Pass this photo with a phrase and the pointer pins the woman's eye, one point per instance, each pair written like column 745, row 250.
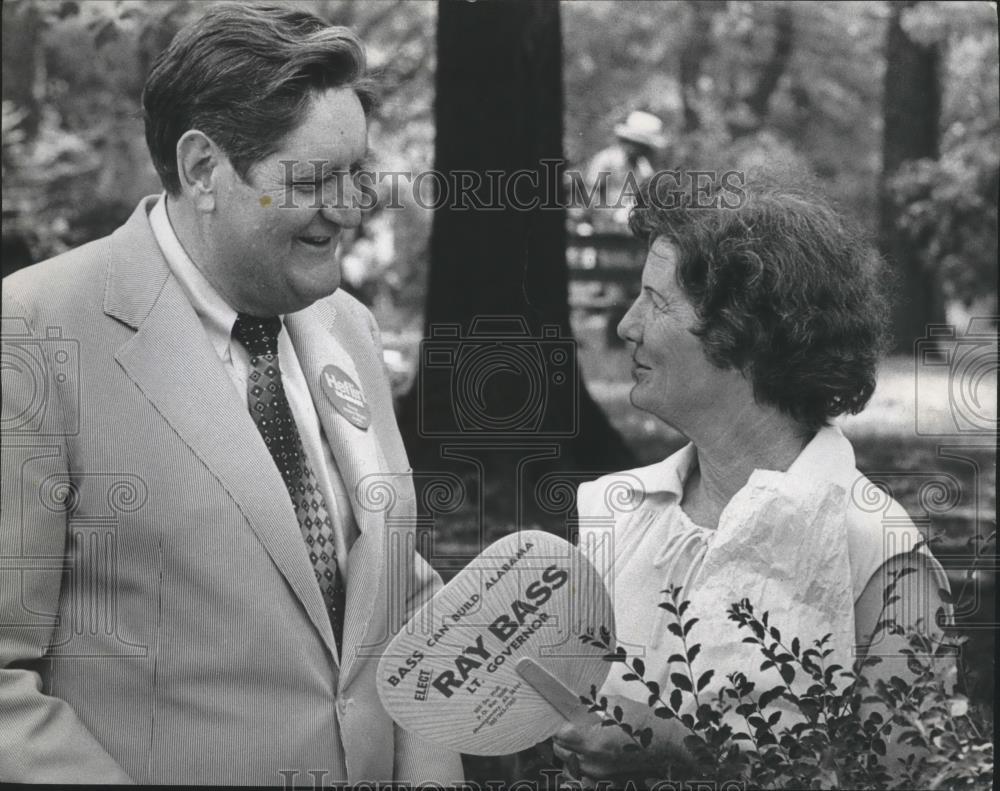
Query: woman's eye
column 658, row 302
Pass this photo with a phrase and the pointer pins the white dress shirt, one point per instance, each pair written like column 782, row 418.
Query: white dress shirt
column 217, row 317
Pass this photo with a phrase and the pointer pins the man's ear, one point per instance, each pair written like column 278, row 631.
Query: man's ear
column 198, row 168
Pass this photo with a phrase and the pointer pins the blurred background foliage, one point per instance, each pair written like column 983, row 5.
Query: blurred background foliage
column 736, row 83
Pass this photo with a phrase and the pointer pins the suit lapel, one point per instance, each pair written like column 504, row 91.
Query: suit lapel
column 357, row 454
column 172, row 362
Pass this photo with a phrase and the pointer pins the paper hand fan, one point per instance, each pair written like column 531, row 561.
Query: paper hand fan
column 450, row 675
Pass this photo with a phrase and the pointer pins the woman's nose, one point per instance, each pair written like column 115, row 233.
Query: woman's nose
column 629, row 328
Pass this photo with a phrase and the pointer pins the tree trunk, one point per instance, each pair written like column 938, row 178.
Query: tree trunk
column 912, row 111
column 24, row 58
column 781, row 53
column 481, row 389
column 754, row 108
column 697, row 46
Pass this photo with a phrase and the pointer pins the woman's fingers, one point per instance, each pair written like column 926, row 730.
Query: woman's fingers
column 570, row 760
column 569, row 736
column 585, row 761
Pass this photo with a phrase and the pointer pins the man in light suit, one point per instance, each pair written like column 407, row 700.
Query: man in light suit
column 198, row 566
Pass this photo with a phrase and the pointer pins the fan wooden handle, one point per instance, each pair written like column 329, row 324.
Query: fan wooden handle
column 561, row 697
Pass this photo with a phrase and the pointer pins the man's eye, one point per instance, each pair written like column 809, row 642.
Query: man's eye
column 361, row 174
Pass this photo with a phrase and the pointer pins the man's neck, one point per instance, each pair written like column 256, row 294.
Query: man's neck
column 186, row 230
column 184, row 223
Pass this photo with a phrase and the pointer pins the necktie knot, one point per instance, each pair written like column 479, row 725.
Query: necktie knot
column 259, row 336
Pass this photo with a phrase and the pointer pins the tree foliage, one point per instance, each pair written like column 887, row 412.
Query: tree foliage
column 74, row 155
column 737, row 82
column 948, row 205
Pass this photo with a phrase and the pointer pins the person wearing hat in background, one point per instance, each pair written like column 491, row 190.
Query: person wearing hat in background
column 613, row 176
column 635, row 154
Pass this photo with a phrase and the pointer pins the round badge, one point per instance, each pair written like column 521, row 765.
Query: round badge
column 346, row 397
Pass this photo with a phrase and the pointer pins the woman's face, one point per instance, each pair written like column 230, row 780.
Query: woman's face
column 674, row 380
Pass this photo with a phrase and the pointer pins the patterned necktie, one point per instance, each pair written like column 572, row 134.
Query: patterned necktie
column 269, row 408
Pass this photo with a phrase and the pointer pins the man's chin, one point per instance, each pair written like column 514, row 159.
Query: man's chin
column 307, row 295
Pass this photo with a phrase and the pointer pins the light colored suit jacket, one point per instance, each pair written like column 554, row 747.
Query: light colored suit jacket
column 159, row 617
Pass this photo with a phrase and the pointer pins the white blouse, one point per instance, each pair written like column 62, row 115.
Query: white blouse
column 801, row 544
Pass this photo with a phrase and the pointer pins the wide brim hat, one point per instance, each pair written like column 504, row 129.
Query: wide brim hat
column 643, row 128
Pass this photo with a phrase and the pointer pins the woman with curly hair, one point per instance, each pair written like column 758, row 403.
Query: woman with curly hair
column 760, row 320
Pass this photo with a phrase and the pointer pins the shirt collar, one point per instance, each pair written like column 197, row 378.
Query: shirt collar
column 828, row 455
column 667, row 476
column 215, row 313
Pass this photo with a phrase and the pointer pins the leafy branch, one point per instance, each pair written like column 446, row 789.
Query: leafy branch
column 834, row 741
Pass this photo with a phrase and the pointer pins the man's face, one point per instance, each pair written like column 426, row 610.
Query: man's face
column 274, row 245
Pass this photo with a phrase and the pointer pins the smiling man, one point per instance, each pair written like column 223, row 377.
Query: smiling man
column 194, row 587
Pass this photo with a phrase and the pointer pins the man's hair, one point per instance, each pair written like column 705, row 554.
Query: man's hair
column 785, row 290
column 245, row 75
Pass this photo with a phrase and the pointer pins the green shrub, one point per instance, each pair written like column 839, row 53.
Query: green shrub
column 839, row 739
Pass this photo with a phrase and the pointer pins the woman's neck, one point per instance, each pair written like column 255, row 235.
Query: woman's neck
column 729, row 452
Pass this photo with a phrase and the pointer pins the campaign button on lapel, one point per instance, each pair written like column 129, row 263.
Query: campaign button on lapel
column 346, row 397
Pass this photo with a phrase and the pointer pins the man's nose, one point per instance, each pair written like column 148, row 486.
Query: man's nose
column 343, row 206
column 344, row 216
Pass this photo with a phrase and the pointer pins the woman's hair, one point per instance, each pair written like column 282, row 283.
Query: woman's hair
column 785, row 289
column 244, row 75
